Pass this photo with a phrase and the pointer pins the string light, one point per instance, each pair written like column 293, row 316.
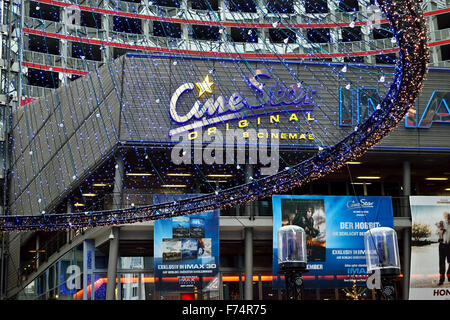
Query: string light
column 409, row 29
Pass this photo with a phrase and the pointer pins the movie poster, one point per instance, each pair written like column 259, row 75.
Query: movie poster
column 186, row 248
column 430, row 248
column 334, row 227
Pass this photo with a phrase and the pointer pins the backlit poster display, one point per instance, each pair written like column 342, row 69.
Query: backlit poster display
column 335, row 227
column 186, row 248
column 430, row 248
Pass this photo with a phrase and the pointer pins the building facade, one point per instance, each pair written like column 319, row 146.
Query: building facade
column 91, row 129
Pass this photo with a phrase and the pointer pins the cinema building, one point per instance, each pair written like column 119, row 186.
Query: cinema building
column 98, row 129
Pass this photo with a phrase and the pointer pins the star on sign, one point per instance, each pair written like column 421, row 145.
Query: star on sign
column 205, row 86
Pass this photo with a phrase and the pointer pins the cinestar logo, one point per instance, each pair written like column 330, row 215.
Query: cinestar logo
column 268, row 99
column 363, row 203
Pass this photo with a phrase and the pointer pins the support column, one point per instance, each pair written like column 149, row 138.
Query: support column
column 248, row 287
column 112, row 263
column 406, row 178
column 406, row 262
column 249, row 207
column 69, row 232
column 119, row 175
column 37, row 251
column 406, row 231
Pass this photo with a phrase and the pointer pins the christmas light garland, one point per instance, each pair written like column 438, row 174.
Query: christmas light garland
column 409, row 29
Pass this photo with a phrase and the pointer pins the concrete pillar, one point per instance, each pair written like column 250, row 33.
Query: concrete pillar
column 406, row 262
column 112, row 263
column 119, row 176
column 406, row 178
column 248, row 286
column 37, row 250
column 260, row 288
column 249, row 207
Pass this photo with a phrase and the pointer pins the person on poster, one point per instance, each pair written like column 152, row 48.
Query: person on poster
column 289, row 218
column 201, row 247
column 444, row 247
column 306, row 221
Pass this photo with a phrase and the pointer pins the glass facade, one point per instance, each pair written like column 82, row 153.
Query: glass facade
column 136, row 281
column 62, row 280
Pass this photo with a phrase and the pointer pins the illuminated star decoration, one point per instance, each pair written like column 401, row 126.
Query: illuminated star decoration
column 205, row 86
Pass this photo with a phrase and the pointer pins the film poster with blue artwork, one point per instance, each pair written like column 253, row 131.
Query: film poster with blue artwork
column 334, row 227
column 186, row 248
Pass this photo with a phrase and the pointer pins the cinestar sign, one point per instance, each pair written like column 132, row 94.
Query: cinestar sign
column 221, row 109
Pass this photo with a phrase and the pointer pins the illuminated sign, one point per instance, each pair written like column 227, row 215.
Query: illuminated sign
column 368, row 100
column 221, row 109
column 277, row 98
column 436, row 111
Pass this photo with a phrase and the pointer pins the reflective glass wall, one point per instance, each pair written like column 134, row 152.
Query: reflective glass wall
column 63, row 280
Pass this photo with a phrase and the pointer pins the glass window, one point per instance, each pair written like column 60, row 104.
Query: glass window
column 43, row 44
column 148, row 286
column 316, row 6
column 264, row 208
column 101, row 261
column 41, row 289
column 205, row 5
column 351, row 34
column 86, row 51
column 267, row 292
column 200, row 32
column 91, row 19
column 129, row 284
column 445, row 52
column 280, row 35
column 128, row 25
column 44, row 11
column 319, row 35
column 280, row 6
column 443, row 21
column 255, row 288
column 389, row 58
column 231, row 286
column 53, row 282
column 29, row 292
column 138, row 263
column 348, row 5
column 167, row 3
column 383, row 32
column 241, row 6
column 354, row 59
column 166, row 29
column 43, row 78
column 244, row 35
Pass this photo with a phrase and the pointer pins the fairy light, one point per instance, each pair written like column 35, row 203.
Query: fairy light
column 409, row 30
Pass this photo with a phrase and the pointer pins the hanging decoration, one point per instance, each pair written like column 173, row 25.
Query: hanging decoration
column 408, row 27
